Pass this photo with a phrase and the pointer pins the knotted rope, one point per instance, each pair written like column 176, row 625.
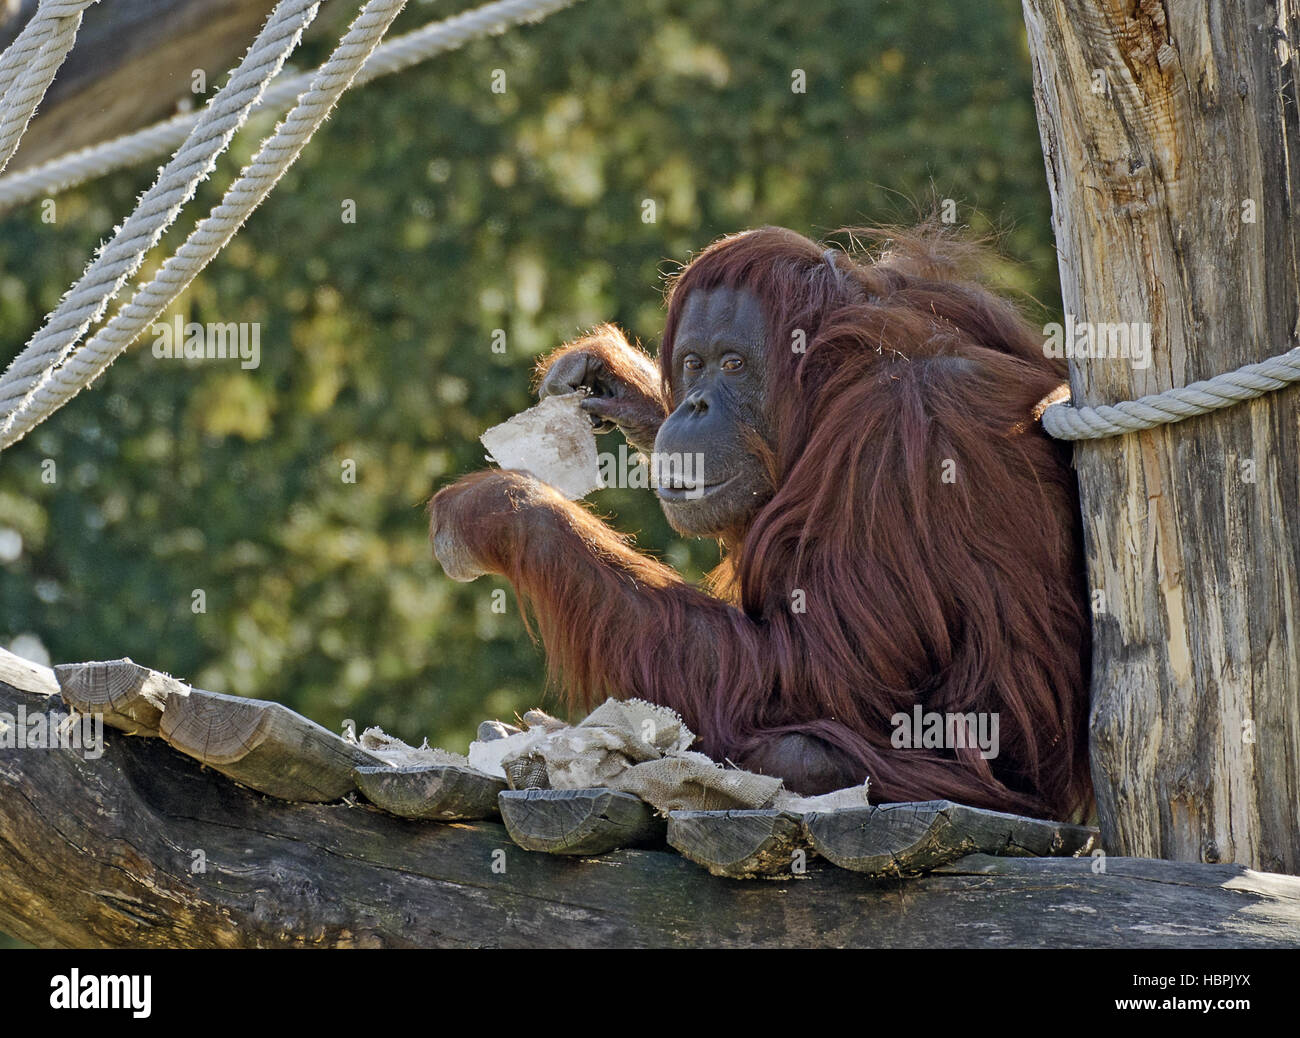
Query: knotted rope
column 1066, row 422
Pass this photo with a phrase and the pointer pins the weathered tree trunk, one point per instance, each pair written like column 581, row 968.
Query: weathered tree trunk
column 143, row 847
column 1172, row 140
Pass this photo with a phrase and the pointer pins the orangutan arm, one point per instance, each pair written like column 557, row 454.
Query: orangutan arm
column 613, row 621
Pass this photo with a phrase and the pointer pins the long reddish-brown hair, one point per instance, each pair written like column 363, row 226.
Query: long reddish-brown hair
column 930, row 524
column 921, row 545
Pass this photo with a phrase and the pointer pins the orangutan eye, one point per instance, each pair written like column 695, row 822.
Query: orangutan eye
column 692, row 362
column 733, row 362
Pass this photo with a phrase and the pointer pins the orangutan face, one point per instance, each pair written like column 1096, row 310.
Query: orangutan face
column 711, row 480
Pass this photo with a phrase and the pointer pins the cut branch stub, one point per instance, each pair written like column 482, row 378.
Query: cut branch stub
column 263, row 745
column 740, row 844
column 905, row 839
column 130, row 697
column 579, row 821
column 24, row 674
column 442, row 792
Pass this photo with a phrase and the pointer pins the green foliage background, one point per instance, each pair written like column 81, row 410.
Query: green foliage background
column 475, row 211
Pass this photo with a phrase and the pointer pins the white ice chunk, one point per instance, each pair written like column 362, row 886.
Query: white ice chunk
column 554, row 441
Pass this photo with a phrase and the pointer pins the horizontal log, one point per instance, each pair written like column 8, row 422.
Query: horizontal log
column 442, row 792
column 31, row 677
column 907, row 839
column 142, row 848
column 579, row 821
column 263, row 745
column 740, row 844
column 128, row 696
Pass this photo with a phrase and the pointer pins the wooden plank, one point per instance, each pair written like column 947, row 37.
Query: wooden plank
column 442, row 792
column 579, row 821
column 142, row 848
column 130, row 697
column 907, row 839
column 741, row 844
column 263, row 745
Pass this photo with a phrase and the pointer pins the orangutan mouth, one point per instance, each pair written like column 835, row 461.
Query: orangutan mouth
column 682, row 491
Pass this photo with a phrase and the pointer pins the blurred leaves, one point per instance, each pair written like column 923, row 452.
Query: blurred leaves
column 475, row 212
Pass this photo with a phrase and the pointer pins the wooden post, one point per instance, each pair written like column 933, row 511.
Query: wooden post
column 1172, row 140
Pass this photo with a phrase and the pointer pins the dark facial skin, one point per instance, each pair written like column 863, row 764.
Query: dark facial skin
column 710, row 481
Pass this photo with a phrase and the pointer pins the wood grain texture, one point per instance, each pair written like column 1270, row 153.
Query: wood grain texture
column 740, row 844
column 24, row 674
column 1167, row 129
column 128, row 696
column 907, row 839
column 263, row 745
column 142, row 848
column 442, row 792
column 579, row 821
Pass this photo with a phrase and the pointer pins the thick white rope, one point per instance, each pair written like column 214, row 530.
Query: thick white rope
column 276, row 154
column 85, row 164
column 255, row 182
column 34, row 36
column 156, row 211
column 1066, row 422
column 29, row 63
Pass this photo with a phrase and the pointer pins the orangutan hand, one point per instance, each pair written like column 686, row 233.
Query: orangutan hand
column 473, row 521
